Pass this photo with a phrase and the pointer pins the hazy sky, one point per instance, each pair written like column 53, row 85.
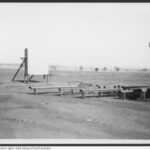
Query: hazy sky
column 94, row 34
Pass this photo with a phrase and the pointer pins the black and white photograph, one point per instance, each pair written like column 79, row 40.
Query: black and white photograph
column 75, row 72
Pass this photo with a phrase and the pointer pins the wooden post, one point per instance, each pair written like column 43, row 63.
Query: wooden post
column 143, row 95
column 144, row 90
column 71, row 91
column 99, row 94
column 44, row 76
column 35, row 92
column 83, row 94
column 124, row 95
column 60, row 91
column 26, row 66
column 47, row 78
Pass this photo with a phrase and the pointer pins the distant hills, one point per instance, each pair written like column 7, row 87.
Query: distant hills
column 96, row 69
column 80, row 68
column 9, row 66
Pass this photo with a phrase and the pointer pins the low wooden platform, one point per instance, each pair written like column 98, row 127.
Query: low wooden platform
column 121, row 91
column 60, row 88
column 99, row 91
column 131, row 89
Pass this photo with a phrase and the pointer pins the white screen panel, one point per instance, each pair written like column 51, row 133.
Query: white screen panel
column 37, row 65
column 37, row 62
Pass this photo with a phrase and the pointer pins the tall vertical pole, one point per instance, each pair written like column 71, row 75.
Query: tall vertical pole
column 26, row 66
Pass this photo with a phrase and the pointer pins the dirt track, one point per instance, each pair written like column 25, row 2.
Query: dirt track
column 24, row 115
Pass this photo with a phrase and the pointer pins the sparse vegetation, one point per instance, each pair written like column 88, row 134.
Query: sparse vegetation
column 104, row 69
column 117, row 69
column 43, row 114
column 144, row 69
column 81, row 68
column 96, row 69
column 54, row 67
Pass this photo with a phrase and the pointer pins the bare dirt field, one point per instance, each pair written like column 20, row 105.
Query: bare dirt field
column 24, row 115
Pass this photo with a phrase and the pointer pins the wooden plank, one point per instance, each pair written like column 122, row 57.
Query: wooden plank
column 18, row 71
column 60, row 88
column 50, row 87
column 134, row 87
column 126, row 91
column 31, row 77
column 99, row 91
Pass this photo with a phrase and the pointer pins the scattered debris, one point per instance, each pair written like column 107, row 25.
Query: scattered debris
column 21, row 121
column 85, row 85
column 44, row 103
column 89, row 120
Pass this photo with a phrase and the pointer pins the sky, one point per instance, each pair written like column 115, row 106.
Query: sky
column 74, row 34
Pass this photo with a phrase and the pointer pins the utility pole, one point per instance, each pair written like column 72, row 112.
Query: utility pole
column 26, row 79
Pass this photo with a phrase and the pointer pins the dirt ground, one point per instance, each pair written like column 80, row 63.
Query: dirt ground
column 24, row 115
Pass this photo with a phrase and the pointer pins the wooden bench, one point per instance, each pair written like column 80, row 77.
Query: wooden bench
column 60, row 88
column 98, row 91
